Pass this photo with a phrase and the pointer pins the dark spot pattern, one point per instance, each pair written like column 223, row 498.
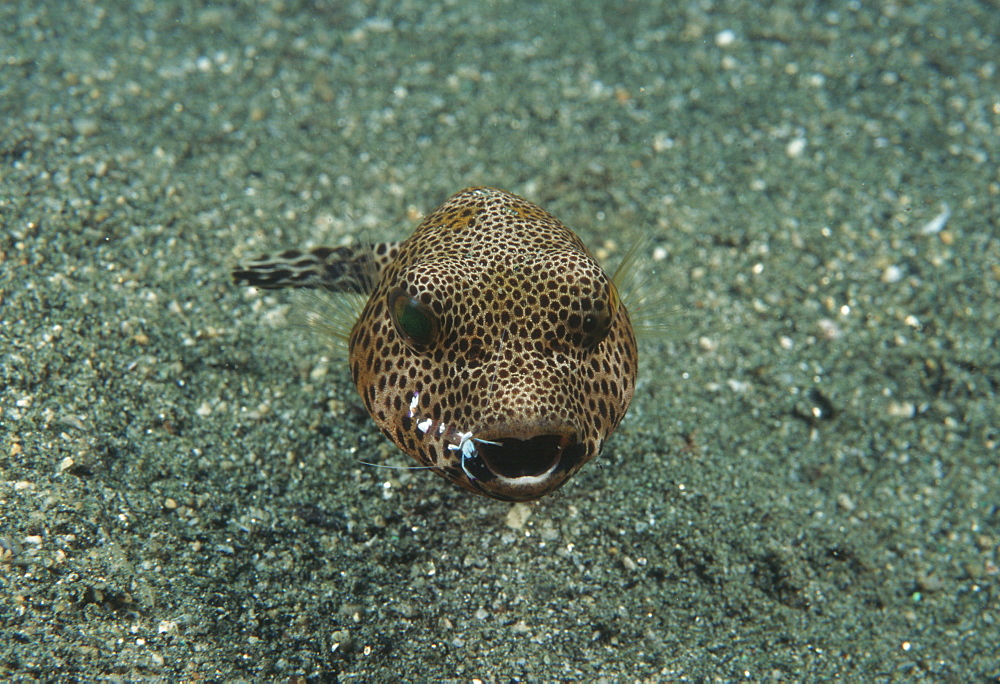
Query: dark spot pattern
column 516, row 358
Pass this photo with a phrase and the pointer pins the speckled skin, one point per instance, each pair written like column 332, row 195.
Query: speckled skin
column 493, row 347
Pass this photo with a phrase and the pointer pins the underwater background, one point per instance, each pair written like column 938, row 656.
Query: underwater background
column 805, row 486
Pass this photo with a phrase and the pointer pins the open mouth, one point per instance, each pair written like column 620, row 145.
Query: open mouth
column 499, row 465
column 521, row 469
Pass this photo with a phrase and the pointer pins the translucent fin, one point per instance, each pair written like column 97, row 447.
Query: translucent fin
column 338, row 279
column 330, row 315
column 333, row 310
column 640, row 285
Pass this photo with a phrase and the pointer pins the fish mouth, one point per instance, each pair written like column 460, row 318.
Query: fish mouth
column 513, row 469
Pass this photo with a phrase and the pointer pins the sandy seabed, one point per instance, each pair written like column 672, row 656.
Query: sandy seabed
column 805, row 487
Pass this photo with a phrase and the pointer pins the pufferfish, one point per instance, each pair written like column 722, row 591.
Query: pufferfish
column 493, row 348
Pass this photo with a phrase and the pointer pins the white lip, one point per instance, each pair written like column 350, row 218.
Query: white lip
column 483, row 474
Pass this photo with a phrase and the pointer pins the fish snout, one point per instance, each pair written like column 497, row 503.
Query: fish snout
column 521, row 463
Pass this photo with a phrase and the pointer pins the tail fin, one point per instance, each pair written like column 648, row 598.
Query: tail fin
column 352, row 268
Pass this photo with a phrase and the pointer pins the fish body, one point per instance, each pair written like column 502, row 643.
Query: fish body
column 492, row 348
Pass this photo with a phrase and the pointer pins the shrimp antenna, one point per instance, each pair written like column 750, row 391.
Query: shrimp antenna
column 392, row 467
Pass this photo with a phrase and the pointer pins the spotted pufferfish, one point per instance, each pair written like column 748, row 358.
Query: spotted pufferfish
column 492, row 348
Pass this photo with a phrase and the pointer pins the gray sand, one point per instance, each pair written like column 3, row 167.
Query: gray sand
column 806, row 486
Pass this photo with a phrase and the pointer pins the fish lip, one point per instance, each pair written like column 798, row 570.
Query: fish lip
column 521, row 469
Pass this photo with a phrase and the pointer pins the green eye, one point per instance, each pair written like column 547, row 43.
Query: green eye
column 415, row 321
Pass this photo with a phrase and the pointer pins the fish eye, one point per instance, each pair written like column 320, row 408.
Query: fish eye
column 597, row 322
column 414, row 321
